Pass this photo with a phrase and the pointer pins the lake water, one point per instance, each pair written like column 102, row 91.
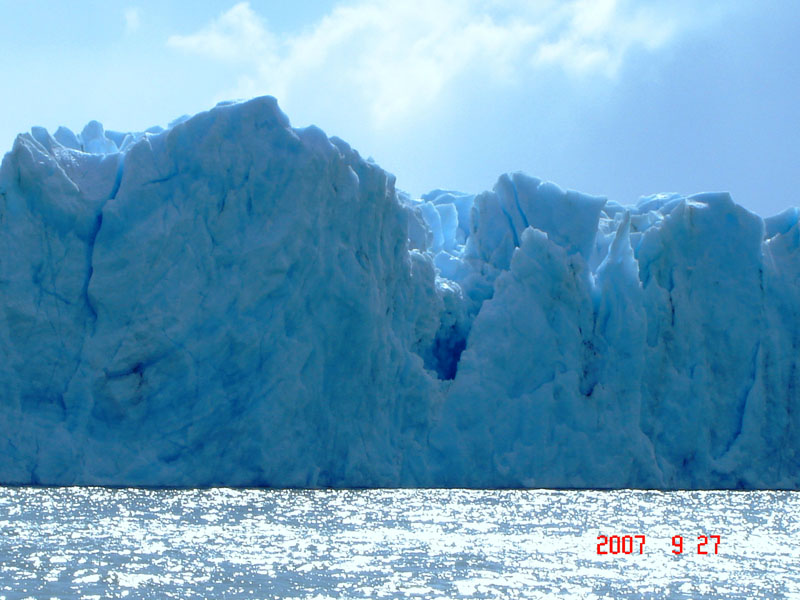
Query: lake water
column 222, row 543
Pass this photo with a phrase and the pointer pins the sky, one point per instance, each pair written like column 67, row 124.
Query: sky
column 618, row 98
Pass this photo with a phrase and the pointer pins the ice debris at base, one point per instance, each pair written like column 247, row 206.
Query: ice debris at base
column 233, row 301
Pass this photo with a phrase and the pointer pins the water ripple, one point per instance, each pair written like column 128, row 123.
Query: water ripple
column 220, row 543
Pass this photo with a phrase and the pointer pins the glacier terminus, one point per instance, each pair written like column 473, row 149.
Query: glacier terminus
column 232, row 301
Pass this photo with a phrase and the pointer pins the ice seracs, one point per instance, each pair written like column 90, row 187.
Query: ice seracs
column 234, row 301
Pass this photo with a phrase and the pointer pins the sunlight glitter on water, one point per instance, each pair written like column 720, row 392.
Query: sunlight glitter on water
column 220, row 543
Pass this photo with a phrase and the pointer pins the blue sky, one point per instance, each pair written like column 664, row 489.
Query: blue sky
column 612, row 97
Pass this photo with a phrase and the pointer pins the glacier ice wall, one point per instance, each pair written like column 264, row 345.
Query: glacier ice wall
column 233, row 301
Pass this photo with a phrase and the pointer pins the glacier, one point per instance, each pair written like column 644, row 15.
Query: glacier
column 233, row 301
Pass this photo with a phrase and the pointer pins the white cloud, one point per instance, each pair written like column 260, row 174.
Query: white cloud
column 237, row 35
column 387, row 58
column 133, row 19
column 594, row 36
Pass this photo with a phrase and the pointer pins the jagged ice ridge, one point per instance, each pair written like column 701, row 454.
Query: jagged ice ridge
column 233, row 301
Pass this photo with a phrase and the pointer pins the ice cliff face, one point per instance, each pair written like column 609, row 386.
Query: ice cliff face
column 233, row 301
